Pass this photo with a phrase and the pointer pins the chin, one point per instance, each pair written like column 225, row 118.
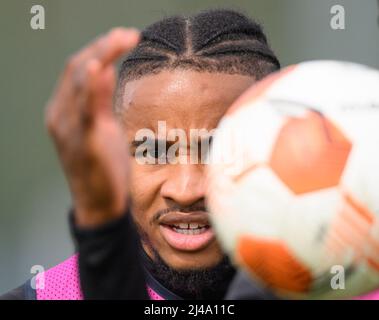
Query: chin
column 204, row 259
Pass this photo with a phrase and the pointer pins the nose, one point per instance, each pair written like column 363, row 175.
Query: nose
column 185, row 186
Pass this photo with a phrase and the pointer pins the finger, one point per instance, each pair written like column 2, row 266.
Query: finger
column 102, row 90
column 109, row 47
column 74, row 82
column 91, row 71
column 117, row 42
column 106, row 50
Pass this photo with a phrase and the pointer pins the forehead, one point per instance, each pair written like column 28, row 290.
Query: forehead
column 183, row 98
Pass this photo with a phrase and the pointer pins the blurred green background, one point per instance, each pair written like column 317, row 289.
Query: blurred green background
column 33, row 195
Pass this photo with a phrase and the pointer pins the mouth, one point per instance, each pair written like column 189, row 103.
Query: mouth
column 187, row 232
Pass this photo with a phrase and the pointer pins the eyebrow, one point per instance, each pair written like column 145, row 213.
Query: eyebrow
column 135, row 143
column 156, row 142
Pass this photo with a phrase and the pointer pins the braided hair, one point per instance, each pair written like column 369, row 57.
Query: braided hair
column 222, row 41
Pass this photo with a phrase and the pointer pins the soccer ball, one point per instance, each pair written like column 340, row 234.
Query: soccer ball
column 293, row 180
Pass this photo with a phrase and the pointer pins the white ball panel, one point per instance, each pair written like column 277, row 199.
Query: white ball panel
column 261, row 212
column 246, row 138
column 361, row 175
column 328, row 86
column 308, row 218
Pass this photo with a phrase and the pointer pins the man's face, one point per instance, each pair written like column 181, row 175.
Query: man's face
column 168, row 199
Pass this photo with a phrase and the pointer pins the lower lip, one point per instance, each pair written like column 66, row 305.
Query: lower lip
column 186, row 242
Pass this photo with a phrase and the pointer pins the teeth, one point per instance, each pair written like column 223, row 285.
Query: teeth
column 190, row 231
column 189, row 226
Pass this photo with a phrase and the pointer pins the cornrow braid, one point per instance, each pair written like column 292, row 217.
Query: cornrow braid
column 223, row 41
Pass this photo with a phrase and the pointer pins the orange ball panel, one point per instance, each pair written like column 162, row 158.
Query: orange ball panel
column 310, row 153
column 272, row 262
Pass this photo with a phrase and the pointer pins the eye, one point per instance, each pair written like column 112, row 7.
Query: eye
column 140, row 153
column 152, row 152
column 155, row 152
